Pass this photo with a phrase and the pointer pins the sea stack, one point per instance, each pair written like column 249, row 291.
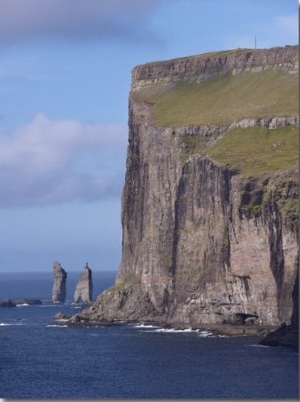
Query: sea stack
column 84, row 288
column 59, row 284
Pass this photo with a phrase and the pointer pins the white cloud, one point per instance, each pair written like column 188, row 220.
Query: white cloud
column 21, row 19
column 49, row 161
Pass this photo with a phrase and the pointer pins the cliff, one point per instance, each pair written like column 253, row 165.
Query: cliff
column 210, row 201
column 84, row 287
column 59, row 283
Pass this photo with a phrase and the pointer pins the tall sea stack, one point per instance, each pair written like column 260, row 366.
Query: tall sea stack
column 59, row 285
column 84, row 288
column 210, row 200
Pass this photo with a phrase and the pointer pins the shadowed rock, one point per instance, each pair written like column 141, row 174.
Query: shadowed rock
column 7, row 303
column 61, row 316
column 59, row 284
column 84, row 288
column 287, row 335
column 29, row 301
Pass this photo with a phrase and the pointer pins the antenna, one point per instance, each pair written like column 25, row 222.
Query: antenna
column 255, row 41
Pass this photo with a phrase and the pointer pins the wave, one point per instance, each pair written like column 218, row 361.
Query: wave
column 146, row 326
column 56, row 325
column 4, row 324
column 173, row 330
column 257, row 345
column 205, row 334
column 202, row 334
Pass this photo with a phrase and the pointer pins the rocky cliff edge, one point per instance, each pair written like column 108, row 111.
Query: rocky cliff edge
column 210, row 210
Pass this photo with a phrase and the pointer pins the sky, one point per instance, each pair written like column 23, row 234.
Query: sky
column 65, row 75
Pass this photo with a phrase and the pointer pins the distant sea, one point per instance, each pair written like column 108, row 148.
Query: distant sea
column 41, row 359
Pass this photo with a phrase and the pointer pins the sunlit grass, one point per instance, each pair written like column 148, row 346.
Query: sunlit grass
column 257, row 150
column 224, row 98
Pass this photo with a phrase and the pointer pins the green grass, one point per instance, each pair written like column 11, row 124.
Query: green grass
column 257, row 150
column 223, row 98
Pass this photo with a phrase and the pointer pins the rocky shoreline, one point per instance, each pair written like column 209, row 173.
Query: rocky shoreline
column 15, row 303
column 287, row 336
column 214, row 329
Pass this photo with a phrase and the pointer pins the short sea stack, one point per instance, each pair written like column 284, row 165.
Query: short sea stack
column 84, row 289
column 59, row 284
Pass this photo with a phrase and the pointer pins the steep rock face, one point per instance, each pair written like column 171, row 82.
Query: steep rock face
column 84, row 287
column 201, row 68
column 202, row 244
column 59, row 284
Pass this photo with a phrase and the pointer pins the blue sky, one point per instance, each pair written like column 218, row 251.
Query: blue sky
column 65, row 73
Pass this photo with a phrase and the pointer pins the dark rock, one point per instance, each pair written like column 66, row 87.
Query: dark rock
column 30, row 302
column 84, row 287
column 62, row 316
column 295, row 295
column 59, row 284
column 7, row 303
column 285, row 336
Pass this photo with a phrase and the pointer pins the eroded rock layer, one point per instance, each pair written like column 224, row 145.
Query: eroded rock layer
column 204, row 241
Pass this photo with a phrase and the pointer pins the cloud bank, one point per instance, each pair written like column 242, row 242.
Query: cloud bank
column 119, row 19
column 47, row 162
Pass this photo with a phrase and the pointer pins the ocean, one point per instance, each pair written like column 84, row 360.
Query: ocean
column 40, row 359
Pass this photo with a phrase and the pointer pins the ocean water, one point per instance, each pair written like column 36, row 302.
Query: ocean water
column 40, row 359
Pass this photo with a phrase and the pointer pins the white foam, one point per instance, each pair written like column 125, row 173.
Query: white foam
column 204, row 334
column 173, row 330
column 22, row 305
column 56, row 325
column 146, row 326
column 3, row 324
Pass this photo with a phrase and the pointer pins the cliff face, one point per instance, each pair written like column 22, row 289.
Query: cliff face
column 202, row 67
column 209, row 232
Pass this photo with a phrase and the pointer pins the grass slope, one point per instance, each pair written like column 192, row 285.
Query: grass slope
column 224, row 98
column 256, row 150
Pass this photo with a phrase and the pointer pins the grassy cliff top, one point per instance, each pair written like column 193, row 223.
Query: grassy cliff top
column 219, row 88
column 223, row 98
